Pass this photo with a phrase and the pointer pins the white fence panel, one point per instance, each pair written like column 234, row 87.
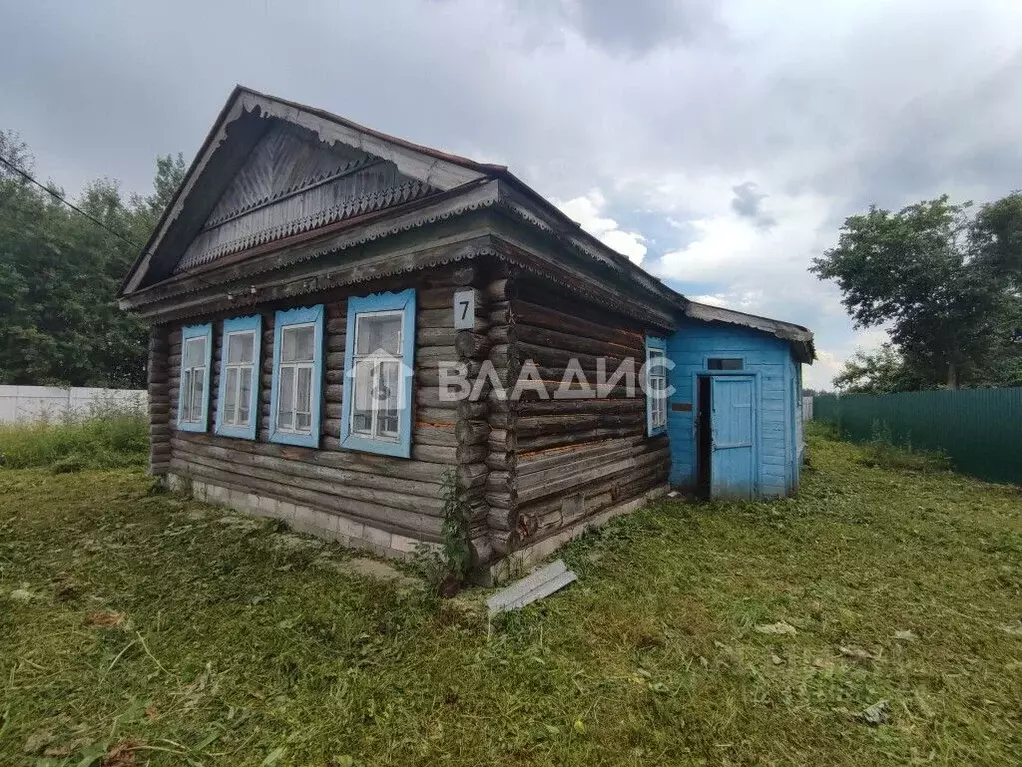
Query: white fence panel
column 33, row 403
column 807, row 408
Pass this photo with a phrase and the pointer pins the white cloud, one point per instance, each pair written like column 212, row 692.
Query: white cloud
column 588, row 211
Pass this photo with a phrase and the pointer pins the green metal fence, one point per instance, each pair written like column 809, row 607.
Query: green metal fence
column 981, row 429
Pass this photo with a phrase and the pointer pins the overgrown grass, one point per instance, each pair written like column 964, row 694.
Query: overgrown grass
column 109, row 434
column 881, row 451
column 152, row 627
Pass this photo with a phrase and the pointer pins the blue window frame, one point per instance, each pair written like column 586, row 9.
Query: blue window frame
column 656, row 386
column 376, row 408
column 237, row 402
column 193, row 393
column 296, row 395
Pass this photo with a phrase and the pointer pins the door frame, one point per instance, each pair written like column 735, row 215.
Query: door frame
column 757, row 436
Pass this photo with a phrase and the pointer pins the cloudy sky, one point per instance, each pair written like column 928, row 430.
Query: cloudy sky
column 719, row 144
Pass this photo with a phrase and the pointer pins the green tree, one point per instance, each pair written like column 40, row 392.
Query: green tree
column 882, row 371
column 918, row 272
column 59, row 274
column 997, row 238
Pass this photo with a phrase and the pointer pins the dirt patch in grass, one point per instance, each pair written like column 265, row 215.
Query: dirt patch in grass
column 902, row 591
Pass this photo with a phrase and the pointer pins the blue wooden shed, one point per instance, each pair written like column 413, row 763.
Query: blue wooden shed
column 735, row 414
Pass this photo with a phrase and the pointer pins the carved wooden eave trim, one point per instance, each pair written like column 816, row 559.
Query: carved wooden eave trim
column 355, row 232
column 238, row 296
column 350, row 208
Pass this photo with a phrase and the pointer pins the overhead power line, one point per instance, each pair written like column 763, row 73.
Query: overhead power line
column 28, row 177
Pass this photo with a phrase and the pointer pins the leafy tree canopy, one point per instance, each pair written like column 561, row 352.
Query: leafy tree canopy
column 59, row 274
column 944, row 284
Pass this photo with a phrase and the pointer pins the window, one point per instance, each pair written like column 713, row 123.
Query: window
column 193, row 396
column 724, row 363
column 378, row 368
column 656, row 386
column 237, row 399
column 297, row 377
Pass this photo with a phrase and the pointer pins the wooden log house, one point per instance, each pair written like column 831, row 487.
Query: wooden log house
column 310, row 286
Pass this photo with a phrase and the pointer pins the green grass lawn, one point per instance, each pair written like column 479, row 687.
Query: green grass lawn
column 142, row 627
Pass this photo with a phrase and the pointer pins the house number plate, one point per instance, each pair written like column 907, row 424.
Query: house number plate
column 464, row 309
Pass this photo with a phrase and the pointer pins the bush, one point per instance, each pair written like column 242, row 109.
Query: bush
column 110, row 434
column 881, row 452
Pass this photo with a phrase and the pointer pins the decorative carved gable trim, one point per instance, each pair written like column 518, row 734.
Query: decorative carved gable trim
column 291, row 183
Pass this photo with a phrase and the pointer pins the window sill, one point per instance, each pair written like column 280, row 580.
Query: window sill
column 201, row 427
column 365, row 445
column 291, row 438
column 237, row 432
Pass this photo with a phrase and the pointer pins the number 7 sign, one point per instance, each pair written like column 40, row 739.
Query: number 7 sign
column 464, row 309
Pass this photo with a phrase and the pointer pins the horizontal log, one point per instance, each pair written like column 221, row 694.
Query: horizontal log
column 437, row 415
column 480, row 547
column 429, row 396
column 404, row 522
column 499, row 290
column 333, row 455
column 601, row 405
column 500, row 460
column 542, row 460
column 444, row 318
column 443, row 353
column 350, row 483
column 435, row 298
column 525, row 312
column 472, row 432
column 537, row 476
column 435, row 336
column 500, row 500
column 469, row 409
column 434, row 434
column 575, row 343
column 557, row 423
column 581, row 479
column 598, row 495
column 472, row 475
column 428, row 373
column 471, row 344
column 504, row 520
column 504, row 542
column 499, row 334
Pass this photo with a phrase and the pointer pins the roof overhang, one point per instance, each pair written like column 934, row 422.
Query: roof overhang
column 800, row 338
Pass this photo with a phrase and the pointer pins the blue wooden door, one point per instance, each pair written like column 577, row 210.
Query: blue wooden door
column 734, row 425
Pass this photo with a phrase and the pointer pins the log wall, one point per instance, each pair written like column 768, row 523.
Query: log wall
column 528, row 469
column 559, row 462
column 387, row 494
